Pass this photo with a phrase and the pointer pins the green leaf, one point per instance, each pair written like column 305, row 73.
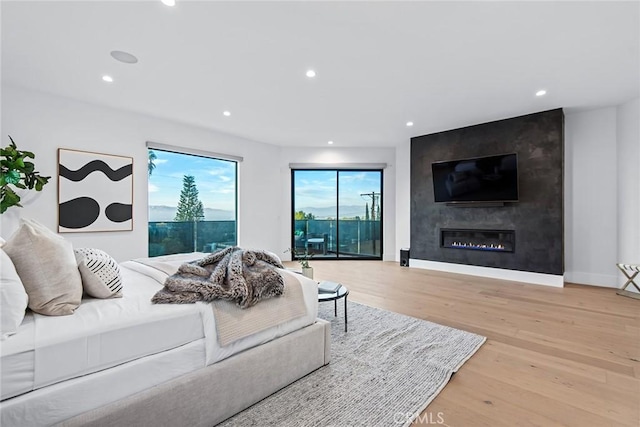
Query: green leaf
column 12, row 177
column 18, row 172
column 9, row 199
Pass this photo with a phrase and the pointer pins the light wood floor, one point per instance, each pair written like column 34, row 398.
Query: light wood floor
column 553, row 357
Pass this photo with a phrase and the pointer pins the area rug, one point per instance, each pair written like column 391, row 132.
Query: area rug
column 383, row 372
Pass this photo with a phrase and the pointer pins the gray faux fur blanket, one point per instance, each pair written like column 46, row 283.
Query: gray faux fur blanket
column 243, row 276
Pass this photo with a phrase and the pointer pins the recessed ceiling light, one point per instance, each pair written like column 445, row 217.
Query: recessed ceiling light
column 541, row 92
column 107, row 79
column 409, row 124
column 330, row 142
column 227, row 113
column 311, row 73
column 168, row 2
column 125, row 57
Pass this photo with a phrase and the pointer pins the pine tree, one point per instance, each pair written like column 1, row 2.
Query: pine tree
column 189, row 207
column 199, row 211
column 366, row 212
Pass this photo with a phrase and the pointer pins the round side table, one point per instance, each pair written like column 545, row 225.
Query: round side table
column 343, row 292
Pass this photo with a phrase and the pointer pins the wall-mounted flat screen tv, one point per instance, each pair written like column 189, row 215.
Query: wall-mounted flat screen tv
column 480, row 179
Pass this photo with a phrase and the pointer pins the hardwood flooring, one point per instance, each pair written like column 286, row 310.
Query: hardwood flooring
column 553, row 357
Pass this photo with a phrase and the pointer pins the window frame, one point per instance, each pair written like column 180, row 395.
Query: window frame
column 236, row 160
column 351, row 168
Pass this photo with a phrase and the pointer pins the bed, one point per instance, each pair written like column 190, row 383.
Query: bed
column 126, row 361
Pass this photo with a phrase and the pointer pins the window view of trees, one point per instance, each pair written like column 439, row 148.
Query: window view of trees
column 302, row 215
column 192, row 203
column 152, row 158
column 189, row 207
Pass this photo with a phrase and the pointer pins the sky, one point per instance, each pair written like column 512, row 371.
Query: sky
column 215, row 180
column 318, row 188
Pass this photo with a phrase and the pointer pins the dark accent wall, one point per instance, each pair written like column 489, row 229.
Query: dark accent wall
column 538, row 140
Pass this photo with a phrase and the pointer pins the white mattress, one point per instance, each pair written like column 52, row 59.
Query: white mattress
column 60, row 356
column 99, row 335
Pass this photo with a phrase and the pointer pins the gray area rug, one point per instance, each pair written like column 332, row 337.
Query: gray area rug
column 383, row 372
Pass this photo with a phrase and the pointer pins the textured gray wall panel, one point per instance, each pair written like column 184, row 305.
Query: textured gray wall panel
column 537, row 218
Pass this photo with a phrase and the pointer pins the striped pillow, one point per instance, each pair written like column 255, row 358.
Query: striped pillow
column 100, row 273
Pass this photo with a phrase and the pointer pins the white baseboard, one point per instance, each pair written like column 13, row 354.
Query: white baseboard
column 494, row 273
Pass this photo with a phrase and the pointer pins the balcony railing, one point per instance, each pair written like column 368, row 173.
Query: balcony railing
column 352, row 237
column 173, row 237
column 356, row 237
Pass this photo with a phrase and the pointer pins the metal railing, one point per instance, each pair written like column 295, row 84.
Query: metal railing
column 352, row 237
column 356, row 237
column 173, row 237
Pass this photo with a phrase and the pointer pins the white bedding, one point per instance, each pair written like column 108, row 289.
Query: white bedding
column 104, row 337
column 215, row 352
column 99, row 335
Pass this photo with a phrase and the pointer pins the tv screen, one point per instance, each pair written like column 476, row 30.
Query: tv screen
column 481, row 179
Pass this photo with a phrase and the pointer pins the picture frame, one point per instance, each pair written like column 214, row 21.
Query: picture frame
column 95, row 192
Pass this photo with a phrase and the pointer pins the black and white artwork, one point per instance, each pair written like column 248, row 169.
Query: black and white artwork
column 95, row 192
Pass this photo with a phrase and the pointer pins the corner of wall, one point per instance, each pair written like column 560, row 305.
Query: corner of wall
column 628, row 190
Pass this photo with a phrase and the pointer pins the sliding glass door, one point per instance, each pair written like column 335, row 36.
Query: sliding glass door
column 360, row 209
column 337, row 214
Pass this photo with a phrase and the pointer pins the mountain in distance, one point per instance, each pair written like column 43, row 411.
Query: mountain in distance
column 168, row 213
column 347, row 211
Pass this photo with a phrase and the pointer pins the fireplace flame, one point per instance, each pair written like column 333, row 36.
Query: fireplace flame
column 491, row 246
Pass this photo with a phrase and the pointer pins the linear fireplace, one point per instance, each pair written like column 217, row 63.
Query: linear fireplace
column 478, row 240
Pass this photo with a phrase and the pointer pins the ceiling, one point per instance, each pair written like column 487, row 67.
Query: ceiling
column 441, row 65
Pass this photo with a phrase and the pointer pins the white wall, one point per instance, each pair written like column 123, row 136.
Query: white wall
column 403, row 197
column 42, row 123
column 590, row 197
column 336, row 156
column 602, row 193
column 628, row 132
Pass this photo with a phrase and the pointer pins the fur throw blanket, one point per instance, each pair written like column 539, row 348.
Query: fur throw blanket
column 243, row 276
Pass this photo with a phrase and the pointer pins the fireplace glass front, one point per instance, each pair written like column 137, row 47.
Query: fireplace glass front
column 478, row 240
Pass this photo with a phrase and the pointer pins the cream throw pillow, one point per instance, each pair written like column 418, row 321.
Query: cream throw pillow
column 47, row 266
column 13, row 297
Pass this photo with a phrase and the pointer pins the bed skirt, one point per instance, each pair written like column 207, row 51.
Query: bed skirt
column 211, row 395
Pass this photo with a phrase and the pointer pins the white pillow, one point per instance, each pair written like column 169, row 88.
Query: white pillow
column 13, row 297
column 47, row 267
column 100, row 273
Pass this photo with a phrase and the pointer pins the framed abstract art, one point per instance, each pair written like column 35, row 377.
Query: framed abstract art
column 95, row 192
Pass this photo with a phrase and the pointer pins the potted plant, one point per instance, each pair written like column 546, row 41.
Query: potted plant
column 19, row 173
column 303, row 258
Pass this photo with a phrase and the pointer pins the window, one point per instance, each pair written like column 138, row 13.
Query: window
column 192, row 202
column 337, row 214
